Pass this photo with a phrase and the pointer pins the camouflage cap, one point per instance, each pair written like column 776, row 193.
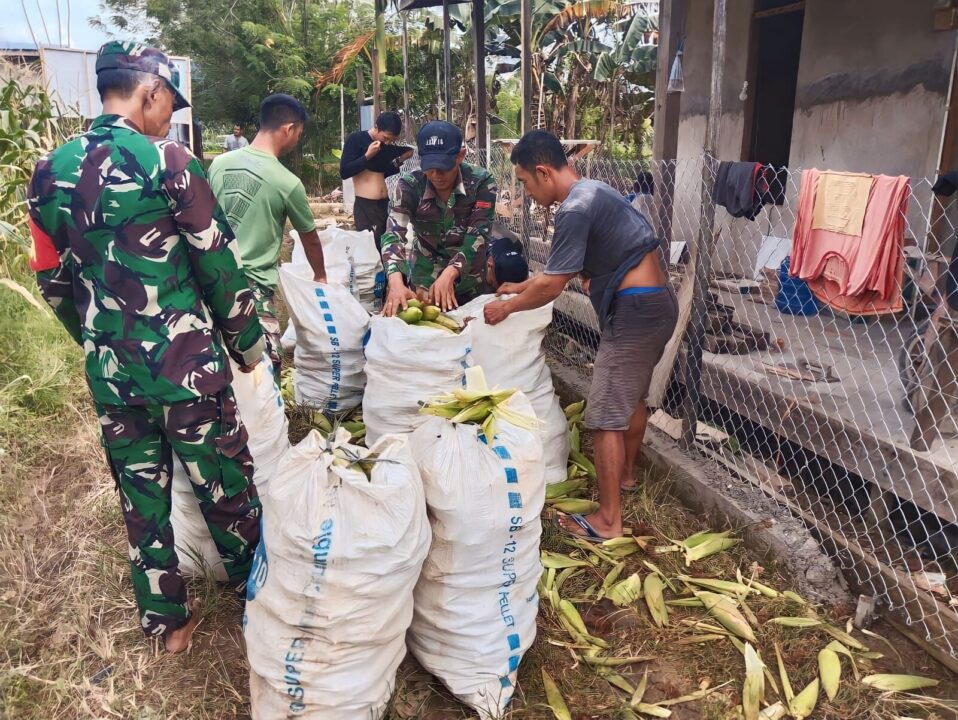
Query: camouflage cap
column 116, row 55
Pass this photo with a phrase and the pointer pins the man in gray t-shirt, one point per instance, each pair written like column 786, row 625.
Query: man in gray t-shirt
column 601, row 237
column 236, row 140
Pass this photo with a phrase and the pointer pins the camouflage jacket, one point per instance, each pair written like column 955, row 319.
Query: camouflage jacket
column 449, row 234
column 139, row 264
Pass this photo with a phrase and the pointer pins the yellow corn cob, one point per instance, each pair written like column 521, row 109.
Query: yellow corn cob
column 796, row 622
column 559, row 709
column 640, row 689
column 708, row 548
column 615, row 661
column 754, row 688
column 557, row 560
column 626, row 592
column 570, row 613
column 897, row 683
column 566, row 487
column 612, row 576
column 830, row 671
column 803, row 704
column 723, row 609
column 655, row 600
column 434, row 326
column 448, row 322
column 321, row 422
column 726, row 587
column 583, row 462
column 575, row 506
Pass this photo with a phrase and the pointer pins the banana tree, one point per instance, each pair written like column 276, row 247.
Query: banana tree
column 628, row 73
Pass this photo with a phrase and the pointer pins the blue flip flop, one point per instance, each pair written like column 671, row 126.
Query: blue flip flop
column 591, row 535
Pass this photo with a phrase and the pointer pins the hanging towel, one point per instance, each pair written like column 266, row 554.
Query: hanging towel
column 859, row 274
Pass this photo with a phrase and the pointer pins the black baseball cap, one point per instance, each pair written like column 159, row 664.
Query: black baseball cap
column 508, row 261
column 439, row 143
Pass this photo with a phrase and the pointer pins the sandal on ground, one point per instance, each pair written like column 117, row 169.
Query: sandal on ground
column 591, row 535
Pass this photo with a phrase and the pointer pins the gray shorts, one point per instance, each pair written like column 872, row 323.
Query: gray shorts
column 631, row 345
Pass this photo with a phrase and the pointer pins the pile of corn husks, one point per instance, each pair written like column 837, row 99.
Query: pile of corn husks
column 722, row 614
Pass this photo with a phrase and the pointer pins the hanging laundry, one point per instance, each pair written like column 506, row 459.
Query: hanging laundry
column 849, row 238
column 771, row 184
column 735, row 188
column 743, row 188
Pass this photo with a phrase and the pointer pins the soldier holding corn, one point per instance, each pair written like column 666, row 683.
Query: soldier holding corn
column 139, row 264
column 450, row 206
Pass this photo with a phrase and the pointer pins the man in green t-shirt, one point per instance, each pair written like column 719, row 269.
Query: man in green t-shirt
column 258, row 194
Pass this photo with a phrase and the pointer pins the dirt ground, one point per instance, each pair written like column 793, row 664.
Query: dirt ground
column 70, row 646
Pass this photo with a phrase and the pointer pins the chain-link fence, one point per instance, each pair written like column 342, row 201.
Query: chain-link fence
column 849, row 420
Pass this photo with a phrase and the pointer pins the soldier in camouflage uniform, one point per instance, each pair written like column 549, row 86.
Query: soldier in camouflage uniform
column 450, row 205
column 139, row 264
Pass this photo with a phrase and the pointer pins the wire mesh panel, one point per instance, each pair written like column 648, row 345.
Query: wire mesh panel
column 817, row 405
column 848, row 419
column 828, row 401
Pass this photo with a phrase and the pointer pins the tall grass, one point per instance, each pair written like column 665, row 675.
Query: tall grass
column 40, row 370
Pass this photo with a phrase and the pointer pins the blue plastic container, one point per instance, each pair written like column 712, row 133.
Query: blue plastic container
column 794, row 297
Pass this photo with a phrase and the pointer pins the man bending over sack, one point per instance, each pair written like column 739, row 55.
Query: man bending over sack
column 450, row 206
column 599, row 235
column 139, row 264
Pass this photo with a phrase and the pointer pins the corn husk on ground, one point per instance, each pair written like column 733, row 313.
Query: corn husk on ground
column 795, row 660
column 596, row 670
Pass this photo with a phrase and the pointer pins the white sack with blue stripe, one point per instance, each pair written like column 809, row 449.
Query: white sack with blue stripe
column 512, row 354
column 352, row 260
column 330, row 594
column 406, row 364
column 330, row 328
column 476, row 600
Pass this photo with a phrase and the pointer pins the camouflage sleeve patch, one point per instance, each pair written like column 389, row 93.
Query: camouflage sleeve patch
column 43, row 254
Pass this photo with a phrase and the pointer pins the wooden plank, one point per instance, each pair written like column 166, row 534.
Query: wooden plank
column 940, row 621
column 898, row 621
column 751, row 77
column 784, row 10
column 892, row 467
column 479, row 40
column 707, row 234
column 668, row 107
column 525, row 22
column 447, row 59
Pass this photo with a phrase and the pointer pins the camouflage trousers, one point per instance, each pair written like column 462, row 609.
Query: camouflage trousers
column 264, row 298
column 208, row 437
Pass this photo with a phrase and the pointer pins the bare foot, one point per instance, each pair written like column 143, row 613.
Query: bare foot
column 629, row 484
column 603, row 528
column 178, row 640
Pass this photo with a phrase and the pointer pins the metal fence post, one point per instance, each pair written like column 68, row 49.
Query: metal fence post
column 695, row 337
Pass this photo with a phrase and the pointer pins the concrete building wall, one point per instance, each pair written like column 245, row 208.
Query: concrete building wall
column 872, row 88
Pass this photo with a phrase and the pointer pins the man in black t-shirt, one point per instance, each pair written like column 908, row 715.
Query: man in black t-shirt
column 369, row 157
